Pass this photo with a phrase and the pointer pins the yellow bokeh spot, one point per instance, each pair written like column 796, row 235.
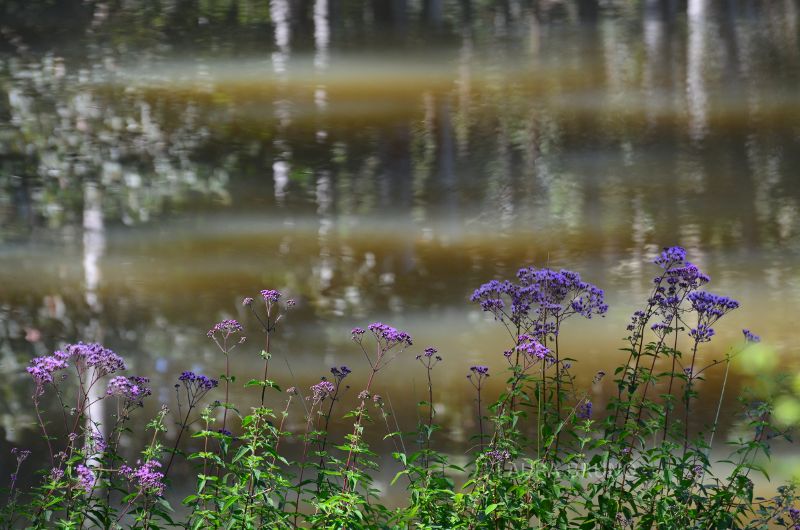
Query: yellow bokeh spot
column 757, row 359
column 787, row 410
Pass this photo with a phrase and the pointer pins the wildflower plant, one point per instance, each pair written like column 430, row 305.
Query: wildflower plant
column 545, row 454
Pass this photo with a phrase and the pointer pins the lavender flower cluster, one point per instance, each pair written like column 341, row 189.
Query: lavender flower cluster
column 131, row 389
column 198, row 381
column 225, row 328
column 340, row 372
column 322, row 390
column 103, row 360
column 540, row 295
column 147, row 477
column 388, row 336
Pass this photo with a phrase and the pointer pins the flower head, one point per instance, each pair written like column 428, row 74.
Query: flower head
column 86, row 478
column 131, row 389
column 322, row 390
column 198, row 381
column 271, row 295
column 584, row 411
column 388, row 336
column 103, row 360
column 226, row 328
column 671, row 257
column 498, row 456
column 750, row 337
column 341, row 372
column 480, row 370
column 147, row 477
column 357, row 334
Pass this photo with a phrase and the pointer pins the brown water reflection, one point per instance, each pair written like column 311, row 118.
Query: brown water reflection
column 147, row 186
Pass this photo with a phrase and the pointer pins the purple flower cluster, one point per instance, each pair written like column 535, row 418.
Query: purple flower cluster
column 96, row 443
column 103, row 360
column 322, row 390
column 750, row 336
column 43, row 368
column 196, row 386
column 673, row 285
column 532, row 348
column 226, row 328
column 479, row 370
column 270, row 295
column 702, row 333
column 131, row 389
column 388, row 336
column 498, row 456
column 21, row 454
column 671, row 257
column 199, row 381
column 340, row 372
column 711, row 307
column 357, row 334
column 86, row 478
column 429, row 357
column 541, row 294
column 794, row 515
column 147, row 477
column 584, row 411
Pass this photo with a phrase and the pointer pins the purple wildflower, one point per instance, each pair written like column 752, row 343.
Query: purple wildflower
column 147, row 477
column 711, row 307
column 498, row 456
column 750, row 337
column 42, row 369
column 671, row 257
column 131, row 389
column 199, row 381
column 103, row 360
column 388, row 337
column 357, row 334
column 97, row 443
column 702, row 333
column 322, row 390
column 341, row 372
column 271, row 295
column 247, row 301
column 226, row 328
column 480, row 370
column 532, row 348
column 85, row 477
column 584, row 411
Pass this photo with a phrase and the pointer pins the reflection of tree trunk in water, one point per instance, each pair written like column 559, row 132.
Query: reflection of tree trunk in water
column 466, row 11
column 93, row 250
column 446, row 163
column 390, row 14
column 696, row 90
column 433, row 13
column 588, row 11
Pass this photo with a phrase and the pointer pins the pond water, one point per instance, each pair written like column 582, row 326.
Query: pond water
column 378, row 161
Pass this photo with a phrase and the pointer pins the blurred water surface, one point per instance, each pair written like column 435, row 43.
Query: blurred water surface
column 378, row 160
